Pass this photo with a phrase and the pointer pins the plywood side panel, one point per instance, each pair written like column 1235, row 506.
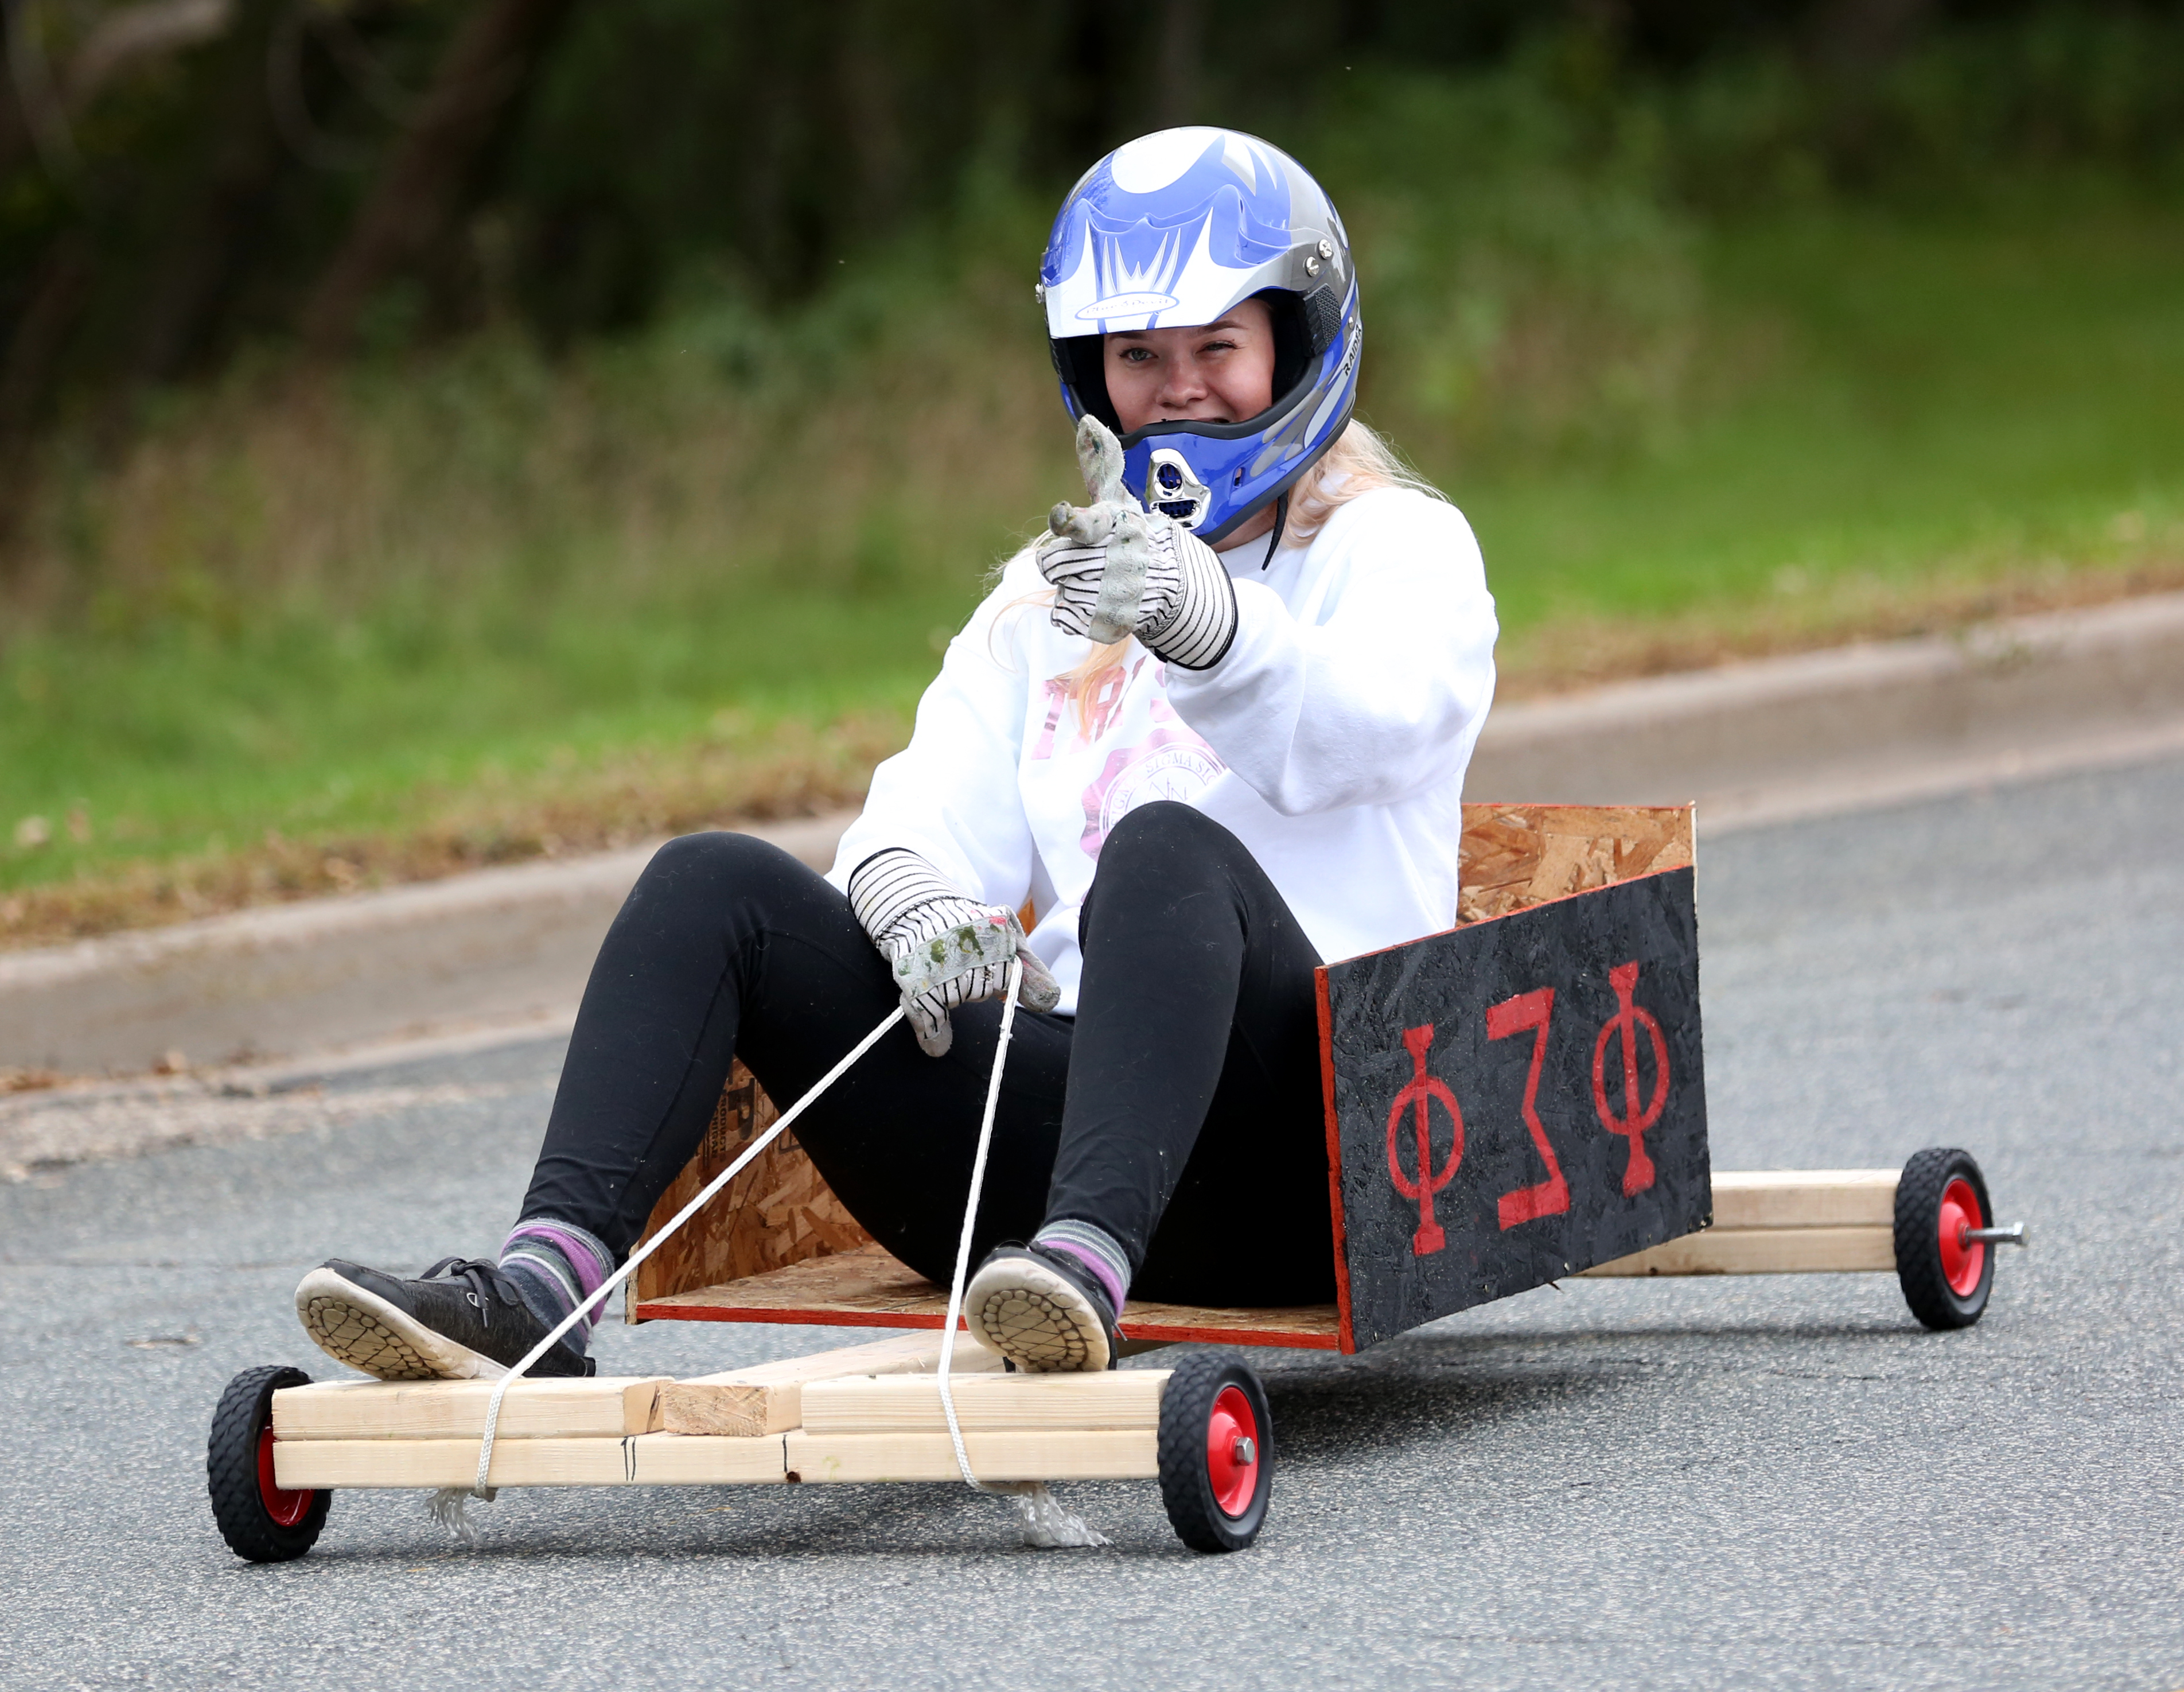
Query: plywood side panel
column 1484, row 1148
column 778, row 1211
column 1513, row 857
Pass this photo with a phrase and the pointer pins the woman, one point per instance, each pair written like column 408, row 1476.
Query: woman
column 1263, row 770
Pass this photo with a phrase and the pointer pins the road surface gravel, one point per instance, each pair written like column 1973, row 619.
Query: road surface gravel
column 1752, row 1482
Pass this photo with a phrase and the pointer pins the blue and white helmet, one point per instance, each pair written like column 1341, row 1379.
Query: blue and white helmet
column 1170, row 232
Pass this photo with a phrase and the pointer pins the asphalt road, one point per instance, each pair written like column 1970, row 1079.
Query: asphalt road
column 1779, row 1481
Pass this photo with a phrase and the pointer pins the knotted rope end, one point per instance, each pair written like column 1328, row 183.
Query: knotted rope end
column 1049, row 1525
column 450, row 1507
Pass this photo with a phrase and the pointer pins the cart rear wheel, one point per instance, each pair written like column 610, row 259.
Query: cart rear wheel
column 260, row 1519
column 1946, row 1278
column 1217, row 1453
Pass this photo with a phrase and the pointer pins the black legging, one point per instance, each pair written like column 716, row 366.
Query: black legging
column 1180, row 1110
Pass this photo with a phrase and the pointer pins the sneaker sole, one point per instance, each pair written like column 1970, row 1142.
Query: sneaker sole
column 358, row 1327
column 1035, row 1319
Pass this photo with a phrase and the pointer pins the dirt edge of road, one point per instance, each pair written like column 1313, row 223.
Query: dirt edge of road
column 503, row 950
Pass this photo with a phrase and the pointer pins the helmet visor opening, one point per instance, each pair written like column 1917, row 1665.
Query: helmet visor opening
column 1081, row 362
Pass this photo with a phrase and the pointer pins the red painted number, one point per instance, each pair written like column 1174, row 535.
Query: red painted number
column 1550, row 1196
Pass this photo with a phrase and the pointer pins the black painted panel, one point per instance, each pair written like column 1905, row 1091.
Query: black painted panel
column 1453, row 1023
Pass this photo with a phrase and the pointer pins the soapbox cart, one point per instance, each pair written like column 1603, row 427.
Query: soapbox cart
column 1516, row 1101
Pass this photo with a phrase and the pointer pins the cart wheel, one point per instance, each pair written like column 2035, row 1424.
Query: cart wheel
column 1217, row 1453
column 1946, row 1278
column 259, row 1520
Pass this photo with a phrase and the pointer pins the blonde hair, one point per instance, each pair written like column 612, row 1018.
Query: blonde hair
column 1359, row 462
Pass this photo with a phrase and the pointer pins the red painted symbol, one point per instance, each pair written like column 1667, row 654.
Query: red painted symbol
column 1550, row 1196
column 1638, row 1173
column 1420, row 1094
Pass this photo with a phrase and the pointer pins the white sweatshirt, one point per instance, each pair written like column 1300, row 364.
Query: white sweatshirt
column 1331, row 739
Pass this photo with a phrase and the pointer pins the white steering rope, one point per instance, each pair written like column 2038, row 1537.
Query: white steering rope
column 1045, row 1522
column 479, row 1488
column 970, row 1221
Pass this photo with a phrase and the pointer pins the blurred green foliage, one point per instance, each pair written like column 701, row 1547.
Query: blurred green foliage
column 161, row 211
column 1745, row 326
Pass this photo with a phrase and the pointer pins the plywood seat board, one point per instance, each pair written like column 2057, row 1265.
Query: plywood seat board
column 868, row 1288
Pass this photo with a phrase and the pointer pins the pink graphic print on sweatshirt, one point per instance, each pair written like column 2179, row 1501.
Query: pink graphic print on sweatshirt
column 1172, row 762
column 1102, row 699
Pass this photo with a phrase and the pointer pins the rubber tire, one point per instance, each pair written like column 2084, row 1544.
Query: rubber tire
column 1186, row 1488
column 231, row 1471
column 1919, row 1270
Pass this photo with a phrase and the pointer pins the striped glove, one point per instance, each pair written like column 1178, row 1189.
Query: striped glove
column 1118, row 570
column 945, row 948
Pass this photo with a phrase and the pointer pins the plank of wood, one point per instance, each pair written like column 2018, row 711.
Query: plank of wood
column 1115, row 1399
column 641, row 1459
column 1513, row 857
column 766, row 1398
column 1000, row 1455
column 1804, row 1198
column 604, row 1407
column 1763, row 1251
column 868, row 1288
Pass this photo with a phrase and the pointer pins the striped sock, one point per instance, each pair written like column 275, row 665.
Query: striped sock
column 1097, row 1250
column 556, row 1266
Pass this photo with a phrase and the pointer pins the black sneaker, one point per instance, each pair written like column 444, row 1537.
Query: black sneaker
column 1042, row 1309
column 460, row 1321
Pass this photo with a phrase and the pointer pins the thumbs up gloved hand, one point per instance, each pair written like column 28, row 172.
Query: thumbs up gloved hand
column 944, row 948
column 1118, row 570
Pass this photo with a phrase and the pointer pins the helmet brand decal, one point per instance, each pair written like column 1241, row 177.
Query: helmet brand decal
column 1127, row 306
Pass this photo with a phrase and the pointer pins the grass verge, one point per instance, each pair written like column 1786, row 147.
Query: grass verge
column 1857, row 422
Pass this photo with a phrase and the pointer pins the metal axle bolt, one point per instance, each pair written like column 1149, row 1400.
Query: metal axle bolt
column 2013, row 1235
column 1245, row 1452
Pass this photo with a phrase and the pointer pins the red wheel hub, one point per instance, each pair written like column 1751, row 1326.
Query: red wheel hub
column 1963, row 1260
column 1232, row 1451
column 284, row 1506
